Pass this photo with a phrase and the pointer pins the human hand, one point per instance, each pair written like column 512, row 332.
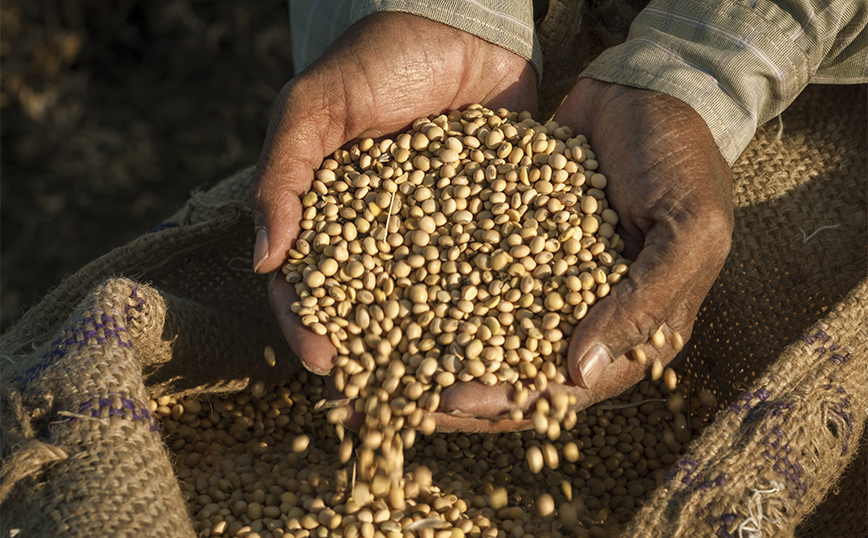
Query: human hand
column 383, row 73
column 672, row 191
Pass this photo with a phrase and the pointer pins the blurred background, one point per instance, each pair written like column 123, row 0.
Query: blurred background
column 112, row 112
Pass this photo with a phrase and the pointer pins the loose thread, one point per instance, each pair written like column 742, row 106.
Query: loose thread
column 29, row 461
column 76, row 415
column 756, row 517
column 806, row 237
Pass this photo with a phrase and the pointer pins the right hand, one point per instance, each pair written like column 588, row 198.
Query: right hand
column 672, row 190
column 384, row 72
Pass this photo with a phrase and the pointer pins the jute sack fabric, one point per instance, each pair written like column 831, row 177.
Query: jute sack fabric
column 81, row 453
column 781, row 340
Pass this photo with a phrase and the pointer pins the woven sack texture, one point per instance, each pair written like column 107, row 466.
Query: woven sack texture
column 77, row 411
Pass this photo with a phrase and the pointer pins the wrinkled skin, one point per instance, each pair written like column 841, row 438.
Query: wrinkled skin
column 667, row 181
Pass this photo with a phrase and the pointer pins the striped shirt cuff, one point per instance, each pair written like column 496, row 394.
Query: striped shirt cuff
column 726, row 60
column 507, row 24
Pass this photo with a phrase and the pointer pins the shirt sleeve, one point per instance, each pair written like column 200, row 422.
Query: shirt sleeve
column 314, row 25
column 739, row 63
column 507, row 24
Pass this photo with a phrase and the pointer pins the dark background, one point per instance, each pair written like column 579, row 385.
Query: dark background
column 112, row 112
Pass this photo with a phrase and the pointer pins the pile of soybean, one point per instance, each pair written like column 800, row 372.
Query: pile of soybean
column 262, row 463
column 466, row 249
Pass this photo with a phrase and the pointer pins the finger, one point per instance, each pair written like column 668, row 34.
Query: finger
column 448, row 423
column 351, row 419
column 316, row 352
column 666, row 283
column 474, row 407
column 473, row 399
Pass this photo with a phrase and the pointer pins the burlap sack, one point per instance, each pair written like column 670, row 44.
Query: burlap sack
column 781, row 340
column 82, row 455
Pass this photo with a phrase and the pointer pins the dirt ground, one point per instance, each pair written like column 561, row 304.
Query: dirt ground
column 112, row 112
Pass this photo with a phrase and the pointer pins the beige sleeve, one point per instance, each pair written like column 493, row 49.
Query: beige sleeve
column 314, row 25
column 507, row 24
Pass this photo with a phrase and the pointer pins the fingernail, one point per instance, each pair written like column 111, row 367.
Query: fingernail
column 318, row 371
column 260, row 250
column 593, row 364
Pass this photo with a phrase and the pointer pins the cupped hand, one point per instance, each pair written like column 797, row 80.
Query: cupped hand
column 672, row 191
column 386, row 71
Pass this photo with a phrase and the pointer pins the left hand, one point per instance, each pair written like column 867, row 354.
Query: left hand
column 375, row 80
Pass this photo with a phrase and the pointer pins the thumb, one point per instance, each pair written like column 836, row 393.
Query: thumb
column 306, row 126
column 658, row 293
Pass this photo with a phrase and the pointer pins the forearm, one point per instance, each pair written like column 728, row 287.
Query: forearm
column 738, row 66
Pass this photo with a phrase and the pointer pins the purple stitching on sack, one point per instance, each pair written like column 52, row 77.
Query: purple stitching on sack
column 779, row 408
column 76, row 337
column 727, row 518
column 822, row 337
column 687, row 465
column 45, row 361
column 761, row 394
column 715, row 483
column 845, row 418
column 140, row 302
column 778, row 451
column 838, row 359
column 138, row 412
column 811, row 338
column 691, row 468
column 79, row 335
column 163, row 226
column 823, row 349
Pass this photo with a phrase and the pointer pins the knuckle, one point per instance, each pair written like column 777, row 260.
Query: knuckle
column 642, row 323
column 718, row 220
column 717, row 227
column 638, row 322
